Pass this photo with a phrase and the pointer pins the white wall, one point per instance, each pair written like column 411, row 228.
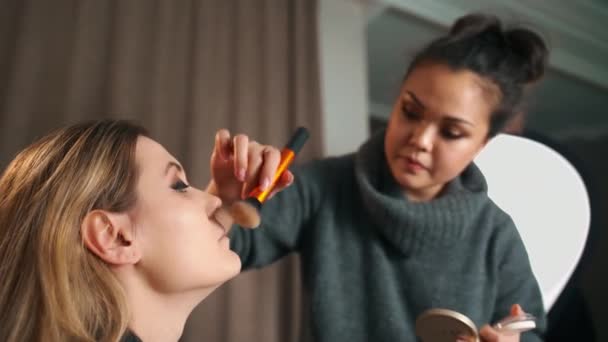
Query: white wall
column 342, row 57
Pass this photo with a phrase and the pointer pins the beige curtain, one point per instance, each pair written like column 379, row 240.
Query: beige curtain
column 183, row 69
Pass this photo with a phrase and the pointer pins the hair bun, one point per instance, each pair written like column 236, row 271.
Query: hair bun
column 523, row 51
column 531, row 50
column 476, row 24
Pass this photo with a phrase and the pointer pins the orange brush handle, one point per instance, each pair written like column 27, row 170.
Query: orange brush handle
column 287, row 157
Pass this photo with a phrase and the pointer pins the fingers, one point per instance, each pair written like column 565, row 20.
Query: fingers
column 263, row 164
column 255, row 162
column 488, row 334
column 223, row 144
column 272, row 158
column 516, row 310
column 241, row 156
column 286, row 180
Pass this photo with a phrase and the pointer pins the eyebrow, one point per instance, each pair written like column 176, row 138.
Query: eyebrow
column 173, row 164
column 447, row 117
column 416, row 99
column 455, row 119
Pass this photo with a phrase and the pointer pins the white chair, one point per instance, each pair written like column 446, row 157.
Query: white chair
column 548, row 201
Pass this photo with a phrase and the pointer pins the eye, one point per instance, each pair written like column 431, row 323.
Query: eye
column 180, row 186
column 411, row 113
column 451, row 133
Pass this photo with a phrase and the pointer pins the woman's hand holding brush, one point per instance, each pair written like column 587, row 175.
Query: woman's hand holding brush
column 246, row 173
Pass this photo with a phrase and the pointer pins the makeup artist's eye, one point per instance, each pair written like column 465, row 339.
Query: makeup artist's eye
column 410, row 112
column 180, row 186
column 451, row 134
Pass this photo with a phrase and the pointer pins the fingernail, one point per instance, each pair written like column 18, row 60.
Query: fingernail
column 241, row 174
column 265, row 183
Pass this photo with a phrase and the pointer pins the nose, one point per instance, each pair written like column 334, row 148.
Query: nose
column 422, row 137
column 210, row 202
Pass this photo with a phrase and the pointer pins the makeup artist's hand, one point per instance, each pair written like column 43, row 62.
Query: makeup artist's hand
column 489, row 334
column 239, row 164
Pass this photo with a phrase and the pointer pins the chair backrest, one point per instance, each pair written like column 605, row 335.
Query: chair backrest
column 548, row 201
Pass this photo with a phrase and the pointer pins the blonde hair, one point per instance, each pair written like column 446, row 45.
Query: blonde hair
column 52, row 287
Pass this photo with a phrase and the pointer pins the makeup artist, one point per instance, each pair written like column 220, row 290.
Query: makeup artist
column 405, row 223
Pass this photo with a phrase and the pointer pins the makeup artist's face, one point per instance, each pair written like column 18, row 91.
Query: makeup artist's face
column 438, row 125
column 183, row 247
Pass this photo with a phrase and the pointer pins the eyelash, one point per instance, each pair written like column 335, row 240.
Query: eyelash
column 410, row 114
column 446, row 133
column 450, row 135
column 180, row 186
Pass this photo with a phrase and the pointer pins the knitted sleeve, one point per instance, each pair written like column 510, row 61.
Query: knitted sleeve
column 284, row 219
column 517, row 283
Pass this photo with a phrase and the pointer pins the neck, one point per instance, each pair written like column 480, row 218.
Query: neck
column 157, row 316
column 417, row 227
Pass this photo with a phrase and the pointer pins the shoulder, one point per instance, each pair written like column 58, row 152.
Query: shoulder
column 497, row 223
column 330, row 169
column 328, row 164
column 315, row 182
column 499, row 217
column 506, row 240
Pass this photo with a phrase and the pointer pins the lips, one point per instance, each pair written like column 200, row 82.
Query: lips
column 223, row 220
column 415, row 162
column 411, row 164
column 223, row 217
column 224, row 232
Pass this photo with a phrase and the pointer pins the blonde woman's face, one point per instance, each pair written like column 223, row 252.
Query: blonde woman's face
column 183, row 246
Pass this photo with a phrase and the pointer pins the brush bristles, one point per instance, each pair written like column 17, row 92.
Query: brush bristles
column 246, row 214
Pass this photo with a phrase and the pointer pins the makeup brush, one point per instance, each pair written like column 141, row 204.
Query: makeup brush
column 246, row 213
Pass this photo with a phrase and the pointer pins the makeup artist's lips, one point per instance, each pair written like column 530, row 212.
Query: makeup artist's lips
column 411, row 164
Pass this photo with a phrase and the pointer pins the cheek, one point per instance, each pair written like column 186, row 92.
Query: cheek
column 162, row 235
column 161, row 220
column 396, row 133
column 181, row 250
column 169, row 227
column 196, row 260
column 451, row 159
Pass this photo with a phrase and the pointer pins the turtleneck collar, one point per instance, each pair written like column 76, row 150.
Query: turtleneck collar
column 415, row 226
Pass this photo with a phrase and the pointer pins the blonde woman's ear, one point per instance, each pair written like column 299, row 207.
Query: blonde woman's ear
column 110, row 237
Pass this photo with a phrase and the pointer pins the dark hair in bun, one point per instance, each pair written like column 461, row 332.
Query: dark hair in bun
column 510, row 59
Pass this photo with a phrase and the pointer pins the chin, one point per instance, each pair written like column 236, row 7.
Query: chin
column 236, row 265
column 406, row 180
column 232, row 266
column 214, row 275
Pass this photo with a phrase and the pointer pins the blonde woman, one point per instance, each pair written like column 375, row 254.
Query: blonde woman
column 102, row 238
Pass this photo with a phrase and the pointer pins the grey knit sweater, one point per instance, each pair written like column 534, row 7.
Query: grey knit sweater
column 372, row 261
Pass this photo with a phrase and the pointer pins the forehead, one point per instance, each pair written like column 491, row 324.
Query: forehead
column 151, row 155
column 460, row 93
